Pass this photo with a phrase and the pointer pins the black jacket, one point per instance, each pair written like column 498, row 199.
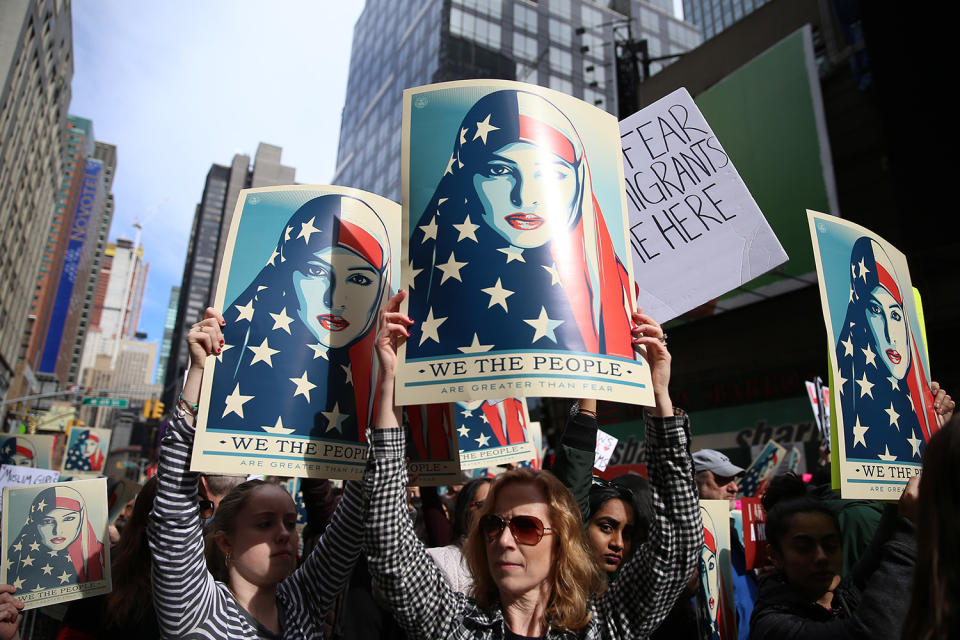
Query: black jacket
column 871, row 603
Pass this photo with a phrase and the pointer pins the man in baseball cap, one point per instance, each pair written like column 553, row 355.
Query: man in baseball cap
column 715, row 475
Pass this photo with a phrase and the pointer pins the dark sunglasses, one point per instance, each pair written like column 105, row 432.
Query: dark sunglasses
column 206, row 509
column 526, row 530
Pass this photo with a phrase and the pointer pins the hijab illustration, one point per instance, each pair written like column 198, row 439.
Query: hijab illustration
column 57, row 545
column 713, row 610
column 19, row 452
column 479, row 425
column 885, row 395
column 512, row 251
column 298, row 353
column 85, row 453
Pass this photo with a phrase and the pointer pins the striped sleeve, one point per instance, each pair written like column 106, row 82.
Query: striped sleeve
column 651, row 581
column 187, row 600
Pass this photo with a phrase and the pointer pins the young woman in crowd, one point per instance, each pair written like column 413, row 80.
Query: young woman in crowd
column 806, row 597
column 935, row 608
column 264, row 597
column 534, row 575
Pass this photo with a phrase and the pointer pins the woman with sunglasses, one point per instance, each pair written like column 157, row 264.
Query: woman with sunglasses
column 264, row 594
column 532, row 566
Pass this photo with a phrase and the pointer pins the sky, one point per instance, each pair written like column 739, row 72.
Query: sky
column 180, row 85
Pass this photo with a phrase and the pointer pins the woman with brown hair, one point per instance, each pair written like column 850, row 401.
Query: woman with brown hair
column 534, row 573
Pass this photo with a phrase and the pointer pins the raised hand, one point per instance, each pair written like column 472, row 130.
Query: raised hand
column 943, row 404
column 205, row 338
column 647, row 333
column 9, row 612
column 391, row 333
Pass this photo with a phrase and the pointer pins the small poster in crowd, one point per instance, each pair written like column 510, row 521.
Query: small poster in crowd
column 16, row 476
column 121, row 495
column 793, row 459
column 56, row 547
column 758, row 475
column 294, row 487
column 493, row 432
column 434, row 458
column 85, row 452
column 606, row 444
column 516, row 256
column 819, row 396
column 696, row 231
column 878, row 360
column 716, row 614
column 754, row 533
column 306, row 270
column 28, row 450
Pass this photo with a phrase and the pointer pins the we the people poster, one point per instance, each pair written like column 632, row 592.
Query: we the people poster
column 55, row 544
column 758, row 475
column 28, row 450
column 696, row 231
column 433, row 458
column 85, row 452
column 516, row 257
column 305, row 272
column 494, row 432
column 880, row 373
column 715, row 608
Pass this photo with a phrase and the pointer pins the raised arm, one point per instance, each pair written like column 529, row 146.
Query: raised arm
column 184, row 592
column 573, row 465
column 419, row 597
column 651, row 581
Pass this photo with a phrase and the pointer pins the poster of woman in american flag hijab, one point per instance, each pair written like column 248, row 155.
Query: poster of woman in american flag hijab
column 881, row 384
column 516, row 263
column 306, row 269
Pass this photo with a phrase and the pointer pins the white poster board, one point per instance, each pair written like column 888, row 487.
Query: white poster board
column 16, row 476
column 695, row 230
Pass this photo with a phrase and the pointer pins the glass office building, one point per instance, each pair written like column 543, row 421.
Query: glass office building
column 713, row 16
column 406, row 43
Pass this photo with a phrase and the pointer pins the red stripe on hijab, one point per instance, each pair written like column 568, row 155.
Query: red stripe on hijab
column 543, row 135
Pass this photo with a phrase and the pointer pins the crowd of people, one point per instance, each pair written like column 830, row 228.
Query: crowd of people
column 527, row 554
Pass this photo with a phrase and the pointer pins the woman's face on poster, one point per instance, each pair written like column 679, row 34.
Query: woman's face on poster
column 59, row 528
column 528, row 194
column 23, row 461
column 889, row 328
column 90, row 447
column 338, row 292
column 709, row 574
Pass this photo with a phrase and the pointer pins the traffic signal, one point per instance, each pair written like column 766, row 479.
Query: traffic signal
column 147, row 404
column 157, row 410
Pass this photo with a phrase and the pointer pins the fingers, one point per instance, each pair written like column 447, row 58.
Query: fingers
column 942, row 402
column 207, row 333
column 654, row 347
column 393, row 304
column 211, row 313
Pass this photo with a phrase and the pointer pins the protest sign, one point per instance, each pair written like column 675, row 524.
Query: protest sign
column 878, row 362
column 695, row 230
column 121, row 493
column 85, row 452
column 758, row 475
column 606, row 444
column 715, row 608
column 754, row 533
column 434, row 458
column 791, row 462
column 27, row 450
column 56, row 547
column 493, row 432
column 16, row 476
column 305, row 272
column 819, row 397
column 516, row 257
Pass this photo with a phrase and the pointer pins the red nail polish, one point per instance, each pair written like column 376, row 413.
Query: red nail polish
column 221, row 340
column 219, row 350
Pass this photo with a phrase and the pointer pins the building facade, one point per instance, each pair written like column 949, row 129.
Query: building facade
column 36, row 67
column 168, row 326
column 566, row 45
column 713, row 16
column 208, row 237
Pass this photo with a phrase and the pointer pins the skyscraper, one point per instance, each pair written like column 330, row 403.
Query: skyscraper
column 208, row 237
column 36, row 66
column 168, row 327
column 406, row 43
column 713, row 16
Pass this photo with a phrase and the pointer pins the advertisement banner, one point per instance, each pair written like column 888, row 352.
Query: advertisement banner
column 516, row 256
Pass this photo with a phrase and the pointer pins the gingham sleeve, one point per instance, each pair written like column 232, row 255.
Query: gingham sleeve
column 419, row 597
column 651, row 581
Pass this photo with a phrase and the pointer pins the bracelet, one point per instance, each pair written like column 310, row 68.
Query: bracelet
column 576, row 408
column 192, row 409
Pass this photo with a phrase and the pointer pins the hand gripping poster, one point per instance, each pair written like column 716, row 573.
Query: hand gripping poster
column 305, row 272
column 85, row 452
column 515, row 257
column 494, row 432
column 881, row 384
column 55, row 541
column 28, row 451
column 696, row 231
column 715, row 608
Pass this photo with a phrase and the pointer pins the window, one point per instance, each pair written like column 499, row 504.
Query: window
column 560, row 8
column 561, row 84
column 492, row 8
column 561, row 61
column 474, row 28
column 560, row 33
column 590, row 17
column 525, row 18
column 524, row 47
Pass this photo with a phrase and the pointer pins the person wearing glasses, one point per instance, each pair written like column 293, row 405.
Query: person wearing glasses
column 534, row 574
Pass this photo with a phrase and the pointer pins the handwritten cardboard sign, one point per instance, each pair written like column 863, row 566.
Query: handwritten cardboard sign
column 16, row 476
column 696, row 231
column 606, row 443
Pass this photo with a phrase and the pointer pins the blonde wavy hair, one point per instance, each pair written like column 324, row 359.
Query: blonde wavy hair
column 576, row 576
